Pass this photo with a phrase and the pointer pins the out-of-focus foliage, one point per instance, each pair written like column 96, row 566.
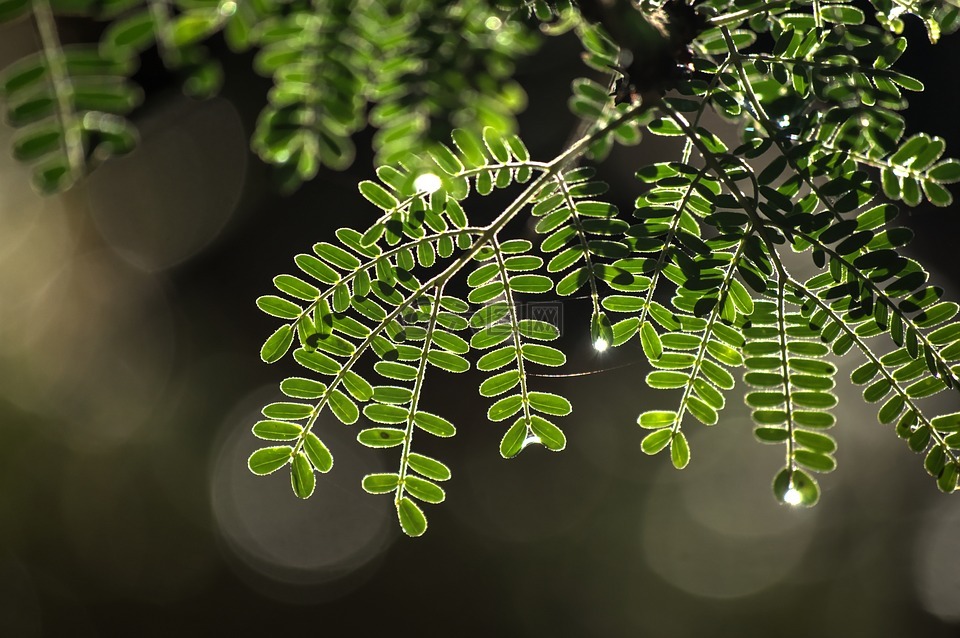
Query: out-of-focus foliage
column 420, row 68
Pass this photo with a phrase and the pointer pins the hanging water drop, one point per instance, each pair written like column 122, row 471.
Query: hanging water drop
column 600, row 344
column 792, row 496
column 532, row 439
column 427, row 183
column 228, row 8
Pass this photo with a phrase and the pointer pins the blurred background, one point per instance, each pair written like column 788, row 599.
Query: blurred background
column 130, row 378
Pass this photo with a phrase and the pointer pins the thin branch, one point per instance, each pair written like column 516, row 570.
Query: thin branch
column 62, row 88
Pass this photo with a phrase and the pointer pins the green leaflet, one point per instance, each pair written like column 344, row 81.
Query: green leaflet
column 302, row 477
column 423, row 490
column 656, row 441
column 548, row 403
column 317, row 453
column 544, row 355
column 438, row 426
column 380, row 483
column 277, row 344
column 548, row 434
column 428, row 467
column 268, row 460
column 411, row 517
column 277, row 430
column 652, row 346
column 381, row 437
column 679, row 451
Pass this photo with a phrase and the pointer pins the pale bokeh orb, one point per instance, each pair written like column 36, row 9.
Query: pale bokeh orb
column 276, row 540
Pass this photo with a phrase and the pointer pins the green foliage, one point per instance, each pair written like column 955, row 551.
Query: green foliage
column 424, row 68
column 697, row 273
column 67, row 104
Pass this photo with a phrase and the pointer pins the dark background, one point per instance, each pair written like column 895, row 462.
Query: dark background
column 130, row 377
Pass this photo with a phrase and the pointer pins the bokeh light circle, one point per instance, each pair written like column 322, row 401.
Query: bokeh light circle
column 937, row 561
column 172, row 197
column 281, row 540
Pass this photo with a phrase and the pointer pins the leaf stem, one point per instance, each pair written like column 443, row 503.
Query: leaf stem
column 785, row 371
column 62, row 88
column 515, row 332
column 415, row 400
column 582, row 236
column 668, row 241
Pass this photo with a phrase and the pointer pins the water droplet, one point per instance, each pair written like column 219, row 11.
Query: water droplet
column 783, row 121
column 864, row 121
column 600, row 344
column 532, row 439
column 792, row 496
column 427, row 183
column 228, row 8
column 493, row 23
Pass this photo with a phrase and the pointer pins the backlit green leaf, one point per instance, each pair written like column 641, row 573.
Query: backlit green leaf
column 412, row 520
column 302, row 478
column 431, row 468
column 270, row 459
column 380, row 483
column 438, row 426
column 317, row 453
column 277, row 344
column 381, row 437
column 277, row 430
column 656, row 441
column 679, row 451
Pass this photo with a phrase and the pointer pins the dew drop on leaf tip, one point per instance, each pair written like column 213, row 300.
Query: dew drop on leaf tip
column 532, row 439
column 792, row 496
column 427, row 183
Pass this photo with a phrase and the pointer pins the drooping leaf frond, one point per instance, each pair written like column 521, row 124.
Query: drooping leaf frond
column 381, row 294
column 68, row 105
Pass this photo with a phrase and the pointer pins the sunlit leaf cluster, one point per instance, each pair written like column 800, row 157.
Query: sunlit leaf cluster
column 708, row 273
column 384, row 295
column 414, row 69
column 703, row 273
